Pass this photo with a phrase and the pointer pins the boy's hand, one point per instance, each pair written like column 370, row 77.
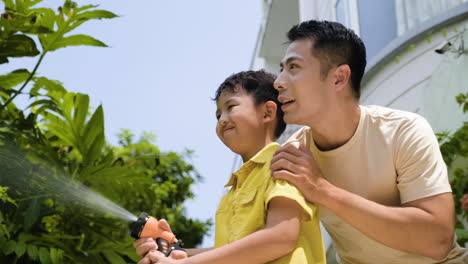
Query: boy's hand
column 298, row 167
column 154, row 257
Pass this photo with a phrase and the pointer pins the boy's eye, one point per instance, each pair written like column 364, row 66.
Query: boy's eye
column 230, row 107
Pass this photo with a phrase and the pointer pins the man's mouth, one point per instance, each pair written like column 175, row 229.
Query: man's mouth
column 286, row 102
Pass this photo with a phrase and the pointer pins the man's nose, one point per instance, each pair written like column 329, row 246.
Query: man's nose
column 279, row 83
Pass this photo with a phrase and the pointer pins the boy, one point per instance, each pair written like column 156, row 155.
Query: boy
column 259, row 220
column 376, row 173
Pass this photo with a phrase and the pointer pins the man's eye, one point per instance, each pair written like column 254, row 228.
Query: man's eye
column 230, row 106
column 292, row 66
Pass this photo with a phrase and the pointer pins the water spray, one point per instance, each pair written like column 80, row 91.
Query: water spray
column 148, row 226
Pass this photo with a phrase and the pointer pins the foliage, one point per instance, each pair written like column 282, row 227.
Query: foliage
column 58, row 142
column 454, row 147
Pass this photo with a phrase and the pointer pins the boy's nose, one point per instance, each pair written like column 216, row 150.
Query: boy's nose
column 222, row 120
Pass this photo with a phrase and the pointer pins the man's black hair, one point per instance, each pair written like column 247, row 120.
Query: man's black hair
column 334, row 44
column 258, row 84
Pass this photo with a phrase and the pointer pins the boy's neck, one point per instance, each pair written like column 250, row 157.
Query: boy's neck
column 251, row 152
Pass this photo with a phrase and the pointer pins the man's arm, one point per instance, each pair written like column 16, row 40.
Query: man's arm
column 276, row 240
column 424, row 226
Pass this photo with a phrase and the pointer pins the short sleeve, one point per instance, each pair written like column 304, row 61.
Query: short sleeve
column 281, row 188
column 421, row 171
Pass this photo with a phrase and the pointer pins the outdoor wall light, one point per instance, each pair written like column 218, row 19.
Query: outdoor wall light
column 446, row 46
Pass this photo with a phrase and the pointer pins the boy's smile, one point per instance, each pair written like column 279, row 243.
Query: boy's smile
column 240, row 123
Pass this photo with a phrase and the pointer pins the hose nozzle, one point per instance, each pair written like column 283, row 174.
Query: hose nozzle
column 148, row 226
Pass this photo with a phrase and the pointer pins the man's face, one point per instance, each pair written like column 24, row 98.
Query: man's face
column 239, row 123
column 303, row 92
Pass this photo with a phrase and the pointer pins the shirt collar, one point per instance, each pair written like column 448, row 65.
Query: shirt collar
column 261, row 157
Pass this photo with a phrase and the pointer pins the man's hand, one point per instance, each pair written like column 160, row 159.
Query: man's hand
column 298, row 167
column 144, row 245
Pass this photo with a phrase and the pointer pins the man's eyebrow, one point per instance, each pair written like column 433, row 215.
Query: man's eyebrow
column 290, row 59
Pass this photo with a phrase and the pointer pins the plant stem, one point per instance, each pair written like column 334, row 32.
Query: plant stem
column 26, row 82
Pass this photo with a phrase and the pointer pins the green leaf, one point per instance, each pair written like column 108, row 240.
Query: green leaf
column 95, row 151
column 32, row 251
column 18, row 46
column 20, row 249
column 44, row 255
column 113, row 257
column 9, row 247
column 32, row 213
column 81, row 18
column 14, row 78
column 4, row 196
column 95, row 14
column 56, row 256
column 80, row 111
column 59, row 129
column 76, row 40
column 461, row 233
column 93, row 129
column 54, row 88
column 9, row 4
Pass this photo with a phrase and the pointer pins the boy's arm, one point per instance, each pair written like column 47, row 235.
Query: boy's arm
column 276, row 240
column 196, row 251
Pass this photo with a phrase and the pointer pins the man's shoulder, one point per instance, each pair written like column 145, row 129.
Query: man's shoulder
column 388, row 114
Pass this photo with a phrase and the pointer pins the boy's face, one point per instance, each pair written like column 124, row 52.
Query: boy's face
column 240, row 122
column 303, row 92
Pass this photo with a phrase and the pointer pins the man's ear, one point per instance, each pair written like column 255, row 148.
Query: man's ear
column 269, row 111
column 342, row 76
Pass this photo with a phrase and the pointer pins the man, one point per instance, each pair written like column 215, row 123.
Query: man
column 377, row 173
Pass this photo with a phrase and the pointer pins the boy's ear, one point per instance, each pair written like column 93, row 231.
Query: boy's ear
column 269, row 111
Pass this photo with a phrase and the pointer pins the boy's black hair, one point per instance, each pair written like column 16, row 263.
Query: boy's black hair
column 258, row 84
column 334, row 44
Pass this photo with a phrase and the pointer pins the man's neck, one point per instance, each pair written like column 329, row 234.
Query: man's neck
column 337, row 127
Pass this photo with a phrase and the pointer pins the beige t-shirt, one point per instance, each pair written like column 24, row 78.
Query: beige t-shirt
column 393, row 158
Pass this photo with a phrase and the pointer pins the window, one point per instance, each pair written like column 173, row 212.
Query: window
column 411, row 13
column 378, row 24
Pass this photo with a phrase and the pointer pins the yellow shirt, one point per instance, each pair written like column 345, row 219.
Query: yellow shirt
column 243, row 210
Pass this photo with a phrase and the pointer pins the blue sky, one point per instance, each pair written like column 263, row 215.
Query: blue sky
column 164, row 63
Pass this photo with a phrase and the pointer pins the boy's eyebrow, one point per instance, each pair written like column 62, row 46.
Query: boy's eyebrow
column 290, row 59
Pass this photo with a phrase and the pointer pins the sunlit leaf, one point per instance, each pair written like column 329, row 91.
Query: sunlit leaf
column 94, row 128
column 76, row 40
column 14, row 78
column 51, row 86
column 80, row 111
